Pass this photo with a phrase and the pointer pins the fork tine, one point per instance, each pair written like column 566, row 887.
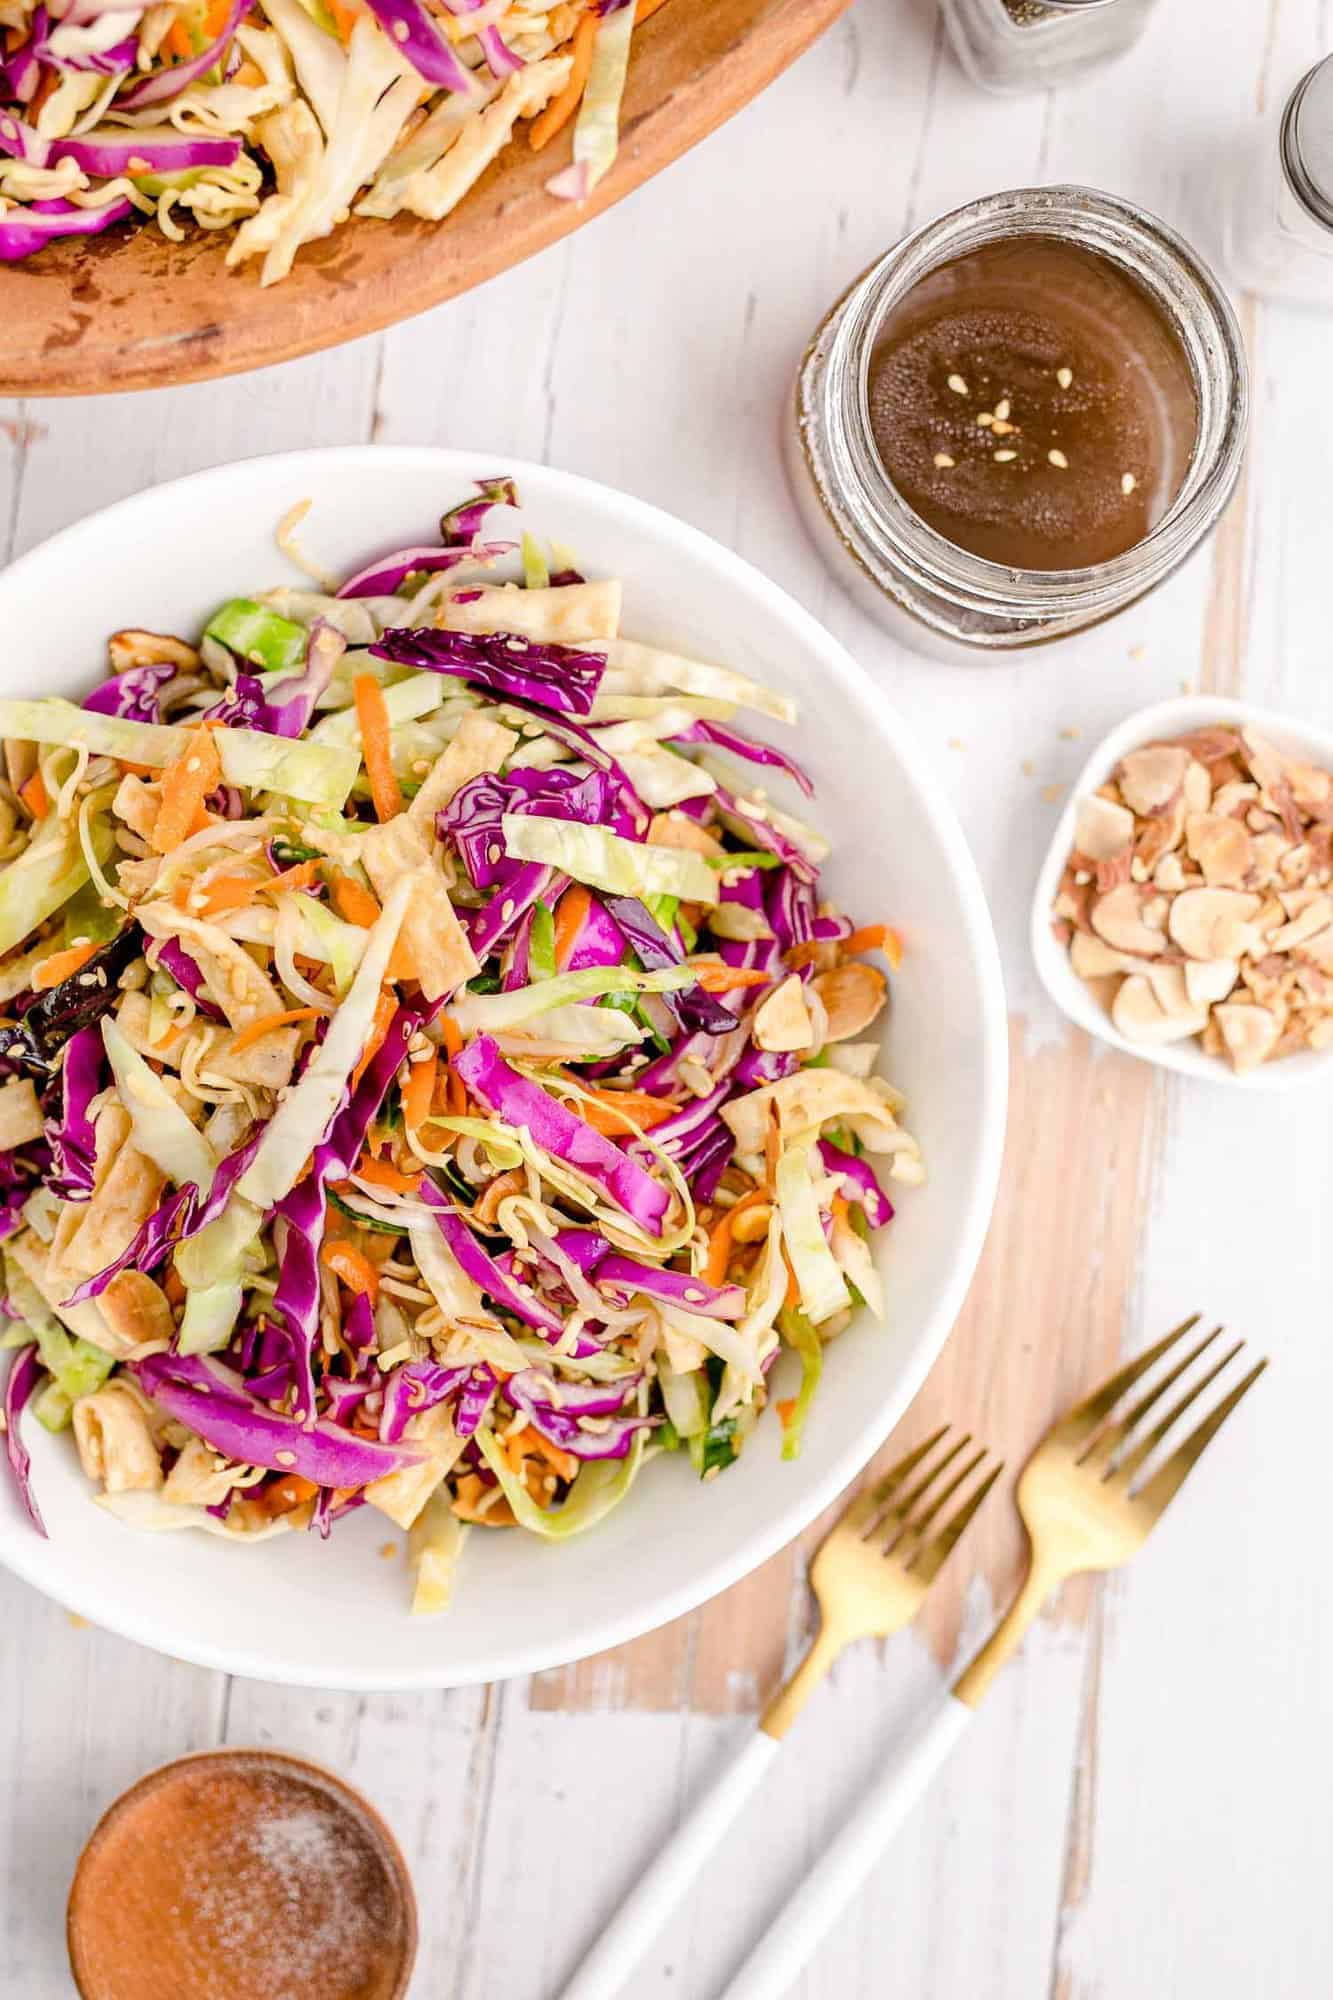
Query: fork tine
column 926, row 1564
column 917, row 1528
column 902, row 1511
column 1135, row 1459
column 867, row 1505
column 1080, row 1423
column 1103, row 1448
column 1167, row 1482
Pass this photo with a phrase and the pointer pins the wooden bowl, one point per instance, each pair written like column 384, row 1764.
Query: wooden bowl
column 241, row 1875
column 131, row 310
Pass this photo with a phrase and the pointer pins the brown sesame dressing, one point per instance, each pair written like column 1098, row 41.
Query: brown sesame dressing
column 1056, row 356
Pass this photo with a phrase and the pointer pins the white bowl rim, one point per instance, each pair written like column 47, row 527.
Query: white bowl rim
column 1164, row 718
column 530, row 1655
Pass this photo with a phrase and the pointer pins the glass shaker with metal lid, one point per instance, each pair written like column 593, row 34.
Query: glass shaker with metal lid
column 1016, row 45
column 1278, row 212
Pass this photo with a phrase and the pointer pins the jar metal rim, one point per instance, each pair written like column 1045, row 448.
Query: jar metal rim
column 1115, row 226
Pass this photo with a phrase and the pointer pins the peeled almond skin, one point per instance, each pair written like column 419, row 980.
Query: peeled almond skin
column 1149, row 779
column 782, row 1022
column 852, row 995
column 1221, row 846
column 1250, row 1034
column 1102, row 829
column 1118, row 919
column 1209, row 979
column 1138, row 1014
column 1213, row 923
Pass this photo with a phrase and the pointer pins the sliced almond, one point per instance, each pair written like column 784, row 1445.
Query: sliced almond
column 1140, row 1017
column 782, row 1021
column 1149, row 779
column 853, row 995
column 1236, row 797
column 1102, row 829
column 1210, row 979
column 1092, row 958
column 1222, row 848
column 1249, row 1034
column 1119, row 920
column 1197, row 787
column 1314, row 918
column 1214, row 923
column 1169, row 874
column 1161, row 833
column 1311, row 788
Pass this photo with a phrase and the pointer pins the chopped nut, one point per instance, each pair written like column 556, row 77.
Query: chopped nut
column 1222, row 848
column 1140, row 1015
column 1118, row 918
column 1249, row 1033
column 958, row 385
column 1214, row 923
column 1102, row 829
column 942, row 459
column 1149, row 779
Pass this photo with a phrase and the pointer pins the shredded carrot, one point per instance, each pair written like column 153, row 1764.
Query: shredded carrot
column 179, row 40
column 61, row 965
column 185, row 786
column 570, row 916
column 608, row 1111
column 793, row 1297
column 353, row 903
column 267, row 1023
column 385, row 1009
column 287, row 1494
column 34, row 797
column 840, row 1207
column 419, row 1091
column 801, row 955
column 136, row 770
column 348, row 1263
column 728, row 978
column 228, row 892
column 345, row 18
column 376, row 746
column 719, row 1238
column 645, row 9
column 234, row 892
column 562, row 108
column 174, row 1286
column 874, row 937
column 456, row 1098
column 529, row 1443
column 380, row 1173
column 786, row 1409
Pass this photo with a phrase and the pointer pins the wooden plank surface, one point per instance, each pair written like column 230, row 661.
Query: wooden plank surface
column 1140, row 1810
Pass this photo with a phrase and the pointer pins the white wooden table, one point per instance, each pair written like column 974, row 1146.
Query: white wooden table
column 1143, row 1810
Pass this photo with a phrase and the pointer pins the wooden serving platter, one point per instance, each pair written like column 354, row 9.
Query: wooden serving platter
column 130, row 310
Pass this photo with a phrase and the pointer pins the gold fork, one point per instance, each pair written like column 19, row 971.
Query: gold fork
column 1089, row 1499
column 870, row 1577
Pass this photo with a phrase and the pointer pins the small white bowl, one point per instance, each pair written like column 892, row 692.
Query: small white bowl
column 1069, row 992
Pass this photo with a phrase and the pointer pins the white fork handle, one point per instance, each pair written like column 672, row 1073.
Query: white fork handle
column 655, row 1895
column 789, row 1943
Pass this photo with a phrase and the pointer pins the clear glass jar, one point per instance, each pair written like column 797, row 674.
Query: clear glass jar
column 1016, row 45
column 934, row 596
column 1277, row 216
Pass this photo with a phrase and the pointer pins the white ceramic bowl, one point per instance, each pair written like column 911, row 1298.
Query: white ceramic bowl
column 1069, row 992
column 335, row 1614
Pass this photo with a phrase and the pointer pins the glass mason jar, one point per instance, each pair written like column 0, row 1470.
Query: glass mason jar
column 1277, row 212
column 1015, row 45
column 933, row 595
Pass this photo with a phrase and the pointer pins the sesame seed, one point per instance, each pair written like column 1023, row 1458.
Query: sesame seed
column 1002, row 410
column 1028, row 767
column 985, row 419
column 1127, row 483
column 1003, row 457
column 1064, row 376
column 958, row 385
column 1058, row 459
column 942, row 458
column 1001, row 428
column 285, row 1457
column 1051, row 794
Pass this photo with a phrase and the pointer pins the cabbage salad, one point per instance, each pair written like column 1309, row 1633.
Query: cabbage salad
column 280, row 118
column 432, row 1077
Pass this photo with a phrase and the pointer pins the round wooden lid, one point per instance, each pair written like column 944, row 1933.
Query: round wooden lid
column 241, row 1875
